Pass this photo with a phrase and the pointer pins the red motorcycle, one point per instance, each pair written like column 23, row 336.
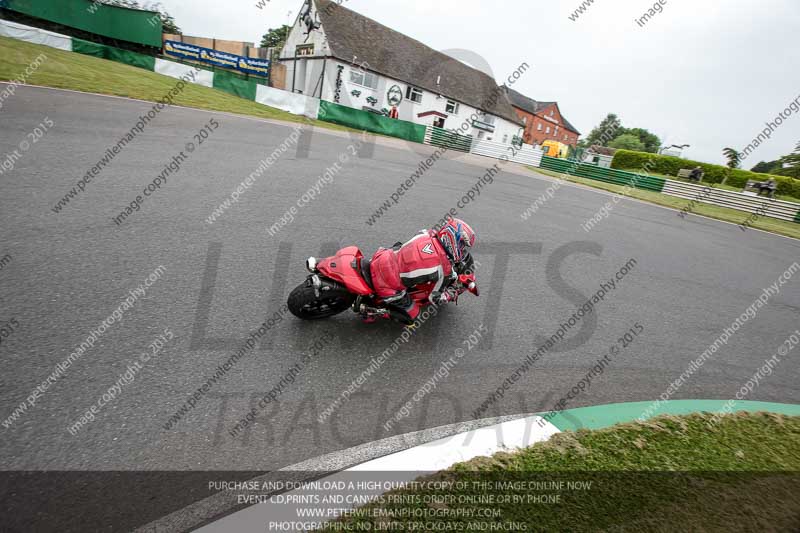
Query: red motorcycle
column 344, row 281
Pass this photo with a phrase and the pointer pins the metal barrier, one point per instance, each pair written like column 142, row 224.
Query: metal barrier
column 607, row 175
column 447, row 139
column 769, row 207
column 526, row 155
column 734, row 200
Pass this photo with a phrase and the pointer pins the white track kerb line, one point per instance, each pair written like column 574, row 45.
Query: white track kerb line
column 96, row 334
column 747, row 315
column 303, row 507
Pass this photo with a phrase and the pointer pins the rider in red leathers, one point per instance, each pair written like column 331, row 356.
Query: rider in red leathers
column 430, row 260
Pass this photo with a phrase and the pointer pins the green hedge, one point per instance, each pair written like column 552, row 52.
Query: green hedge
column 669, row 166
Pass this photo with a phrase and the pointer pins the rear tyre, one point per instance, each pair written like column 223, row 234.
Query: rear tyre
column 333, row 299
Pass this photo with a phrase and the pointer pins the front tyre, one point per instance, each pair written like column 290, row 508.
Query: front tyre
column 333, row 299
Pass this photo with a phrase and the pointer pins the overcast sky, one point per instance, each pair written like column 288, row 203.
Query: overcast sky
column 703, row 72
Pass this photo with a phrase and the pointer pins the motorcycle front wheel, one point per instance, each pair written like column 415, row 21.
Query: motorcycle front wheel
column 304, row 303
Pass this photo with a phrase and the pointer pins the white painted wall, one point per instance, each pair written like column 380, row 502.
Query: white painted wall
column 309, row 70
column 408, row 109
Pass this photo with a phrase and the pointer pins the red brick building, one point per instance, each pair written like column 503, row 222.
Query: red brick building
column 543, row 120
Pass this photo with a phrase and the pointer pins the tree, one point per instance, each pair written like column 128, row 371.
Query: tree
column 627, row 141
column 790, row 164
column 275, row 37
column 732, row 155
column 767, row 167
column 650, row 141
column 168, row 22
column 606, row 131
column 610, row 129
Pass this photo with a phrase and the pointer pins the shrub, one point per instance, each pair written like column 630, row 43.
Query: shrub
column 669, row 166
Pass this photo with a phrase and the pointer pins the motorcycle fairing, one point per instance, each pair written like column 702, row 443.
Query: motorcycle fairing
column 344, row 267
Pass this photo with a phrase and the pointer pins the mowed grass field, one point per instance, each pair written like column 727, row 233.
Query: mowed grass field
column 670, row 473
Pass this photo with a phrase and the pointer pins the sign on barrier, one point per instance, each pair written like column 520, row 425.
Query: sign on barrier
column 249, row 65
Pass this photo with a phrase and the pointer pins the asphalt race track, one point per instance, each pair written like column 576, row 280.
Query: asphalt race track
column 70, row 270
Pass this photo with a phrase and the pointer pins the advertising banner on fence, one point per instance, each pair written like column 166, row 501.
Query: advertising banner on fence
column 256, row 67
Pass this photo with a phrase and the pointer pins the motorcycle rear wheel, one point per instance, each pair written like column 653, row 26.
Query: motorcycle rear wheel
column 304, row 303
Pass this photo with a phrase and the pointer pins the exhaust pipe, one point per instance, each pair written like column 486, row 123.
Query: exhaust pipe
column 311, row 265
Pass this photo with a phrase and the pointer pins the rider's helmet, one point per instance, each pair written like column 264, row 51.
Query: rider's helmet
column 456, row 237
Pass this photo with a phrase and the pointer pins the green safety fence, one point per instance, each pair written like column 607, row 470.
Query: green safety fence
column 131, row 58
column 448, row 139
column 114, row 54
column 125, row 24
column 234, row 85
column 607, row 175
column 366, row 121
column 89, row 48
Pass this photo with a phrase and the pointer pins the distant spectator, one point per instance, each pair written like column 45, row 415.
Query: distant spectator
column 768, row 187
column 394, row 113
column 697, row 173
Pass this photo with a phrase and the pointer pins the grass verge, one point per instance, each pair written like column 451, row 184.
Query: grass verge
column 667, row 474
column 77, row 72
column 781, row 227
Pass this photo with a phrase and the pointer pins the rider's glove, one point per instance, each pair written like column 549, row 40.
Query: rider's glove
column 439, row 298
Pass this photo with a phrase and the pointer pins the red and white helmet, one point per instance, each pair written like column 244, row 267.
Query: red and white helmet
column 456, row 238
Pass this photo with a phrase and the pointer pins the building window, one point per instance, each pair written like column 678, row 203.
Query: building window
column 452, row 107
column 304, row 50
column 361, row 77
column 539, row 127
column 414, row 94
column 548, row 129
column 552, row 112
column 525, row 120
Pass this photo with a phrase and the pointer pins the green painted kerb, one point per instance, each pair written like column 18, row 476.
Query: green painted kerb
column 601, row 416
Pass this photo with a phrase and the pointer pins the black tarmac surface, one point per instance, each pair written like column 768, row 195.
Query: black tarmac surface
column 70, row 270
